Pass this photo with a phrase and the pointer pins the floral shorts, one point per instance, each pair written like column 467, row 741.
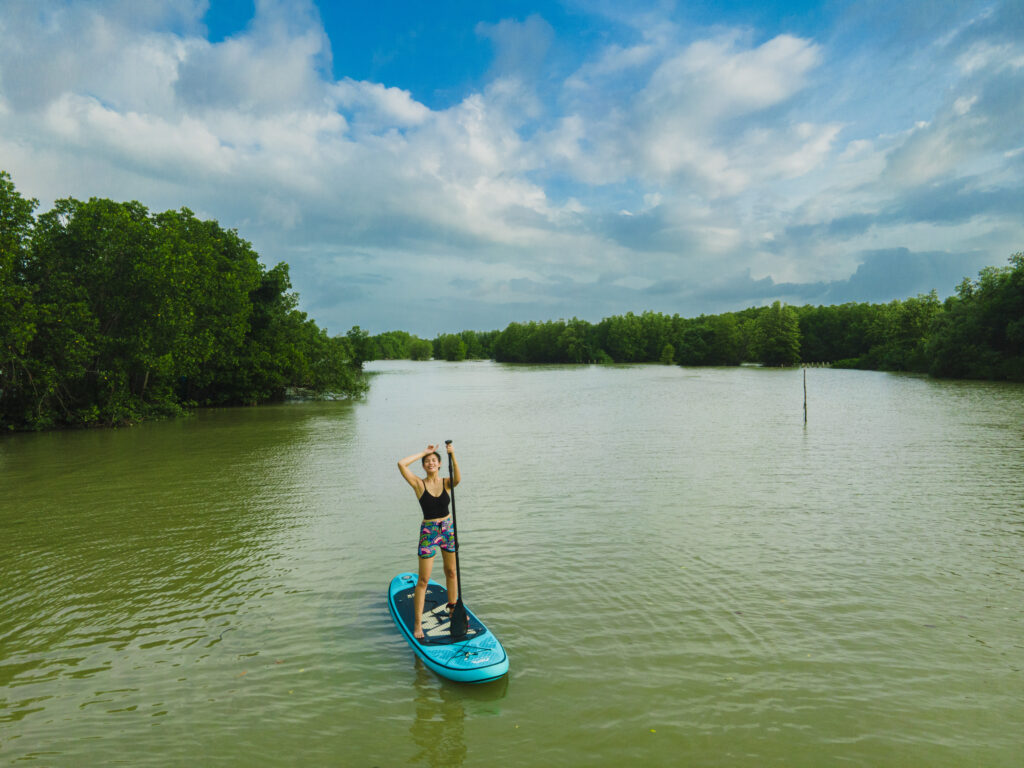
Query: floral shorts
column 436, row 533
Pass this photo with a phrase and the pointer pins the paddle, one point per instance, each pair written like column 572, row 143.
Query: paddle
column 458, row 623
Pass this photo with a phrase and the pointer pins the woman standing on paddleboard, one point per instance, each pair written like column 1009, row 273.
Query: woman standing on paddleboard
column 436, row 530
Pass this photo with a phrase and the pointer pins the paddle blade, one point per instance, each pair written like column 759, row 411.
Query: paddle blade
column 459, row 622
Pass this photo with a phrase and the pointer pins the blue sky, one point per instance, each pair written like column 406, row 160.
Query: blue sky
column 440, row 166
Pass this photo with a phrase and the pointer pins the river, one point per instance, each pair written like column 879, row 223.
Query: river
column 682, row 571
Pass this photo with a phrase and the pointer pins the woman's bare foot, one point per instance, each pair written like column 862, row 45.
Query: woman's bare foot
column 418, row 633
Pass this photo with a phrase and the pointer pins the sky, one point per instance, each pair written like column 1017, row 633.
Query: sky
column 440, row 166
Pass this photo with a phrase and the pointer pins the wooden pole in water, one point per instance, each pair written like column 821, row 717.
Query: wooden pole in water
column 805, row 395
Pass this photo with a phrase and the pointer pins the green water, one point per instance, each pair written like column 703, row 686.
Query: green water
column 682, row 572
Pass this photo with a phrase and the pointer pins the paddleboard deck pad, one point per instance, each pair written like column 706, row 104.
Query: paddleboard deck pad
column 476, row 658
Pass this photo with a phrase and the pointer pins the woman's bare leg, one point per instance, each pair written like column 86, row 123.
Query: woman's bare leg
column 426, row 565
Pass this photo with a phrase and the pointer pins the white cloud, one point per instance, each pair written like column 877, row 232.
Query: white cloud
column 141, row 140
column 109, row 50
column 277, row 65
column 615, row 60
column 520, row 47
column 378, row 106
column 713, row 79
column 679, row 126
column 718, row 148
column 788, row 154
column 984, row 55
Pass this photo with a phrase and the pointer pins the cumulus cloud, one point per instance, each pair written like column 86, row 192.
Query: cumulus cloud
column 670, row 168
column 520, row 47
column 378, row 107
column 278, row 63
column 103, row 49
column 685, row 124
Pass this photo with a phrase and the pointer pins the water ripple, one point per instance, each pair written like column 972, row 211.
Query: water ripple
column 681, row 571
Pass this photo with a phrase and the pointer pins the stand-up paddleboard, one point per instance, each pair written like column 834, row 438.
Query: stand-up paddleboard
column 475, row 658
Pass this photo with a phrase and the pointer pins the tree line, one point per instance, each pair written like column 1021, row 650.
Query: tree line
column 400, row 345
column 976, row 333
column 110, row 314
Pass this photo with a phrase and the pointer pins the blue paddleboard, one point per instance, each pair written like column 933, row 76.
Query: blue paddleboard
column 476, row 658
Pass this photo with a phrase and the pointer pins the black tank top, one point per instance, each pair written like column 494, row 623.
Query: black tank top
column 434, row 507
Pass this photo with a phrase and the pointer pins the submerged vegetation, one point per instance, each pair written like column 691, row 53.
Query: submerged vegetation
column 977, row 333
column 110, row 314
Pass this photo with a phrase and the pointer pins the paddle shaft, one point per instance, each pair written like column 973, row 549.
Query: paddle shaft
column 455, row 525
column 458, row 617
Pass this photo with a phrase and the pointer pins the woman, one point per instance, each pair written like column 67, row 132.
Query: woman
column 436, row 530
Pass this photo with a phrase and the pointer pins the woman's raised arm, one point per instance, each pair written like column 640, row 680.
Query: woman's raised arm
column 403, row 467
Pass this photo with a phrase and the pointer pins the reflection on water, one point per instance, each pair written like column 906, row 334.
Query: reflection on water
column 438, row 729
column 680, row 570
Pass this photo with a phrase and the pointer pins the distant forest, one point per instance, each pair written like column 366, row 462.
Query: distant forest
column 110, row 314
column 977, row 333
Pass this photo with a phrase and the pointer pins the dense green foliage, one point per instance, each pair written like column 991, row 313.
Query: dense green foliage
column 776, row 336
column 979, row 333
column 467, row 345
column 399, row 345
column 629, row 338
column 109, row 314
